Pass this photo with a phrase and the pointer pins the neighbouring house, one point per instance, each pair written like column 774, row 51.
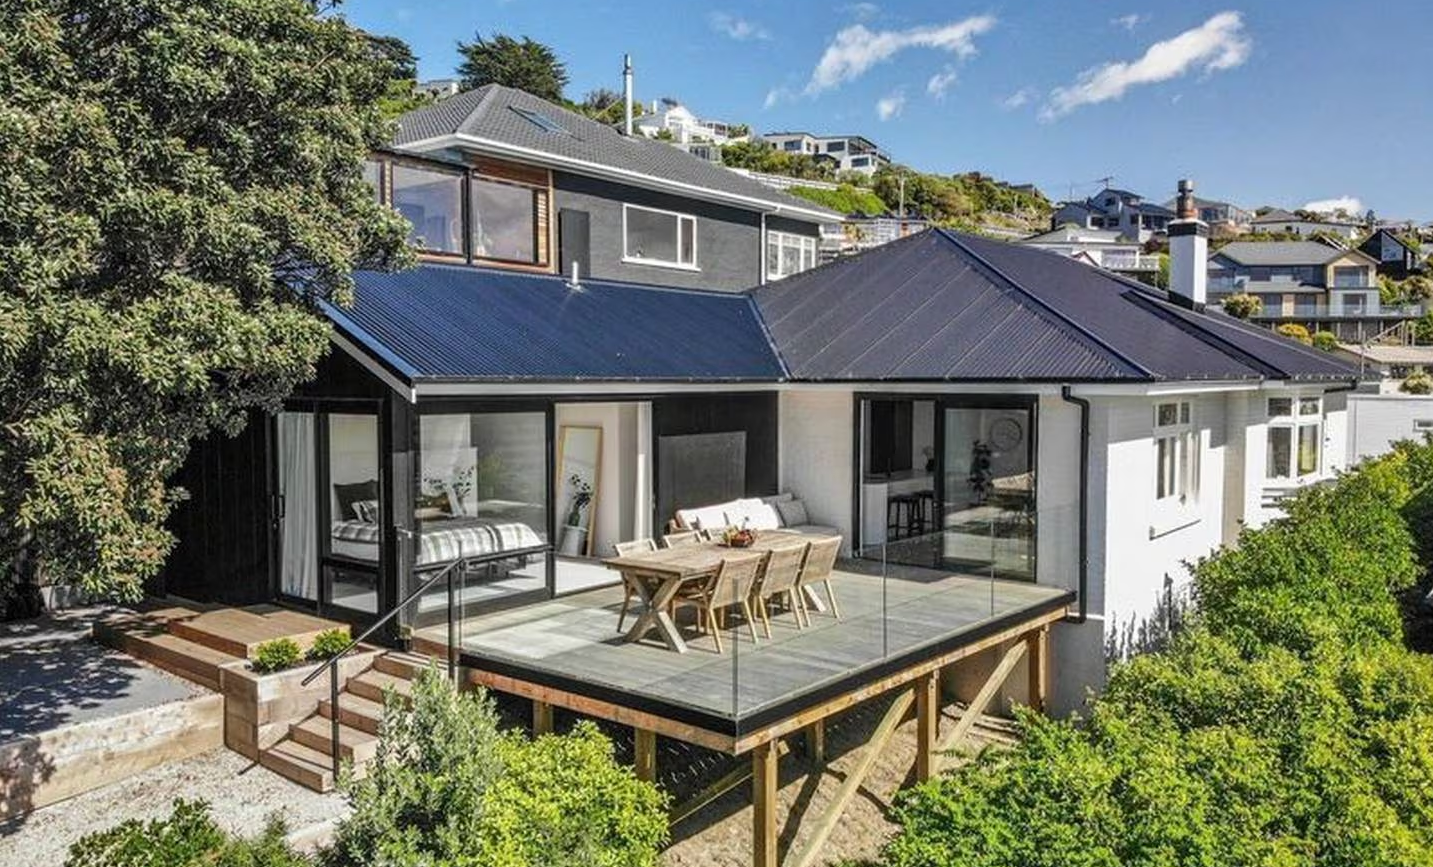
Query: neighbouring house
column 1013, row 446
column 496, row 176
column 683, row 126
column 1389, row 362
column 440, row 88
column 846, row 153
column 1125, row 212
column 1311, row 283
column 1103, row 248
column 1280, row 221
column 1397, row 256
column 861, row 232
column 1223, row 218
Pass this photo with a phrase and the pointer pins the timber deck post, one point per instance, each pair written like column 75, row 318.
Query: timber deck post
column 816, row 743
column 645, row 755
column 763, row 801
column 927, row 723
column 1037, row 652
column 541, row 719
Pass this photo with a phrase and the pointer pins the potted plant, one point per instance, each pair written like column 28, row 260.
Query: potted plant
column 574, row 534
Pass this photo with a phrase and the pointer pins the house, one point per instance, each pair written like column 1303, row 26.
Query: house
column 499, row 177
column 1397, row 256
column 846, row 153
column 1319, row 286
column 1279, row 221
column 1120, row 210
column 1012, row 445
column 1222, row 217
column 1103, row 248
column 683, row 126
column 440, row 88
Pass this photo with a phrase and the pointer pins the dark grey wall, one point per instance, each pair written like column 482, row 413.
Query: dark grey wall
column 728, row 239
column 795, row 227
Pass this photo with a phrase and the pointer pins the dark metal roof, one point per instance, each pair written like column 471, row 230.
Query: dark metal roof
column 948, row 306
column 1279, row 252
column 503, row 115
column 439, row 322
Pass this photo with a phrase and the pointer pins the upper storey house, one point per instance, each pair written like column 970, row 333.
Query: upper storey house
column 500, row 178
column 1120, row 210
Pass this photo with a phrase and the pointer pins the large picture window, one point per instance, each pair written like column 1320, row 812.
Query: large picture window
column 1295, row 438
column 432, row 200
column 1176, row 452
column 788, row 254
column 506, row 220
column 655, row 237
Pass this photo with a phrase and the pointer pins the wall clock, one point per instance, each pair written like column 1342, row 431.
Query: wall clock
column 1006, row 433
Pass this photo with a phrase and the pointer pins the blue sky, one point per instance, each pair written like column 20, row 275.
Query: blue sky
column 1270, row 102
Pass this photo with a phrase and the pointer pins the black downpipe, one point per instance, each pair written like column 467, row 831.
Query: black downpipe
column 1084, row 521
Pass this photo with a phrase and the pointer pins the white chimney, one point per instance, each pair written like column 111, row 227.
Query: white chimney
column 627, row 93
column 1188, row 251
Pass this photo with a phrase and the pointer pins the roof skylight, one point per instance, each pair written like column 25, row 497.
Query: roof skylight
column 541, row 121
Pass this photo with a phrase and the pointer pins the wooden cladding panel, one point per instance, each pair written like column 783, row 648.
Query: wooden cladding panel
column 503, row 170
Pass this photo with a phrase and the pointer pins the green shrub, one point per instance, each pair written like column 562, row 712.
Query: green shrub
column 1288, row 726
column 187, row 838
column 448, row 788
column 1325, row 340
column 1295, row 331
column 1242, row 305
column 276, row 655
column 845, row 199
column 328, row 644
column 1417, row 382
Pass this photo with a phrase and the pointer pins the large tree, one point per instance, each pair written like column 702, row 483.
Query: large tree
column 525, row 65
column 179, row 187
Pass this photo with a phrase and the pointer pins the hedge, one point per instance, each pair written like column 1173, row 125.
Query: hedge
column 1287, row 725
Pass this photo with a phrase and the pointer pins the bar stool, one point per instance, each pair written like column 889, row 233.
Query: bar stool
column 901, row 515
column 925, row 506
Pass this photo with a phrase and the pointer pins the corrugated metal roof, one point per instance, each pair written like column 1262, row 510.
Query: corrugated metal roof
column 460, row 323
column 1279, row 252
column 948, row 306
column 494, row 112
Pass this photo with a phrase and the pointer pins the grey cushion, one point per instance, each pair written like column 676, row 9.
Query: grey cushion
column 793, row 512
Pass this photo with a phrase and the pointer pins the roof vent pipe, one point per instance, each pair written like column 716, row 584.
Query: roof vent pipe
column 627, row 94
column 1188, row 252
column 574, row 282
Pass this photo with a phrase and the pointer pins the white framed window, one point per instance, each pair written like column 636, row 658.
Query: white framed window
column 1295, row 438
column 655, row 237
column 1423, row 425
column 788, row 254
column 1176, row 455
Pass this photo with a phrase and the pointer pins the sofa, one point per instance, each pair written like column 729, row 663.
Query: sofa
column 783, row 511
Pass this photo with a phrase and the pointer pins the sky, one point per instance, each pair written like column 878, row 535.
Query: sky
column 1264, row 102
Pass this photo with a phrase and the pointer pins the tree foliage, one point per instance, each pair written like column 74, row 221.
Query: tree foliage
column 1325, row 340
column 1288, row 725
column 1418, row 382
column 179, row 186
column 758, row 156
column 523, row 64
column 188, row 836
column 845, row 199
column 448, row 788
column 1295, row 331
column 1242, row 305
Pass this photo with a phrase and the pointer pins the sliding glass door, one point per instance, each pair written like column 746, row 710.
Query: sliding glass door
column 987, row 487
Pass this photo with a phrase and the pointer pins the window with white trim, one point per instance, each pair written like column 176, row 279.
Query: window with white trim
column 788, row 254
column 1295, row 438
column 653, row 237
column 1176, row 454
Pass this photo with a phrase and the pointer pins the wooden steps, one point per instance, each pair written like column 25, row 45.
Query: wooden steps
column 152, row 642
column 306, row 754
column 239, row 631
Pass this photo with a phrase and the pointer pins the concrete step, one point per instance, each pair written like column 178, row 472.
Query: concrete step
column 152, row 644
column 303, row 765
column 405, row 665
column 316, row 733
column 372, row 685
column 354, row 711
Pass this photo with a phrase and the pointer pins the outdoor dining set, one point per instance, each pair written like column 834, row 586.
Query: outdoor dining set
column 693, row 569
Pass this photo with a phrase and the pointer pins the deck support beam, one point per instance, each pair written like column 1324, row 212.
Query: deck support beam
column 541, row 719
column 927, row 723
column 646, row 755
column 873, row 749
column 1037, row 651
column 980, row 702
column 763, row 800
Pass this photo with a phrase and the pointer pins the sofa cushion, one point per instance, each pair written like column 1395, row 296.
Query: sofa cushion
column 814, row 530
column 778, row 498
column 793, row 512
column 755, row 514
column 707, row 517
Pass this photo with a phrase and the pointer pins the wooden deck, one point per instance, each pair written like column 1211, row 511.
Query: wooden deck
column 571, row 644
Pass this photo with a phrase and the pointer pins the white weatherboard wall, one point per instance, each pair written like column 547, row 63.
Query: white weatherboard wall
column 1377, row 421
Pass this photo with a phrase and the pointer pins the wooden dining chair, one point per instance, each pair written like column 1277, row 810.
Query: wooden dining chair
column 627, row 549
column 685, row 537
column 781, row 579
column 732, row 585
column 820, row 562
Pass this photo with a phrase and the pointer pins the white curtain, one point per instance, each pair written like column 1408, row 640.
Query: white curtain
column 298, row 562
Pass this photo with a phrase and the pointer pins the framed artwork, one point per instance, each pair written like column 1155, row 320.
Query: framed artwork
column 579, row 479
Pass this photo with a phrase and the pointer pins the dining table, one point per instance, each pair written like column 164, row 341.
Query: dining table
column 658, row 576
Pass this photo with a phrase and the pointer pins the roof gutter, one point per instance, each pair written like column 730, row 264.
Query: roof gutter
column 1067, row 394
column 641, row 179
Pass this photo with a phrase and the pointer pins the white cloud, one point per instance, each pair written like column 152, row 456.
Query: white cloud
column 1130, row 21
column 1018, row 98
column 737, row 28
column 940, row 82
column 1347, row 204
column 855, row 49
column 776, row 96
column 861, row 11
column 891, row 105
column 1218, row 44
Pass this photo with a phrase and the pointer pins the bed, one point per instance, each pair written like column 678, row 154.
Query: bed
column 440, row 540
